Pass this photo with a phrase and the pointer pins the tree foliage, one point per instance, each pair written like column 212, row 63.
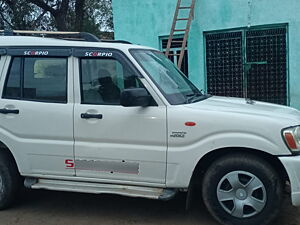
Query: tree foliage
column 93, row 16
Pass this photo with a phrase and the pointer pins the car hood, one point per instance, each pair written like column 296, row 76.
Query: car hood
column 239, row 105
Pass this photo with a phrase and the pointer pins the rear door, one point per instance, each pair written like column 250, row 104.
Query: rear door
column 36, row 110
column 115, row 143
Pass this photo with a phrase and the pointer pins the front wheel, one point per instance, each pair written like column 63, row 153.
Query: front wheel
column 242, row 189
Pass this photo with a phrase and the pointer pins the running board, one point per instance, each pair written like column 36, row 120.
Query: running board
column 99, row 188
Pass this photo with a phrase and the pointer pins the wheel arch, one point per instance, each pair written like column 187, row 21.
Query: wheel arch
column 8, row 153
column 207, row 159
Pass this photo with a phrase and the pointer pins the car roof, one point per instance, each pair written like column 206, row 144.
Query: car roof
column 23, row 41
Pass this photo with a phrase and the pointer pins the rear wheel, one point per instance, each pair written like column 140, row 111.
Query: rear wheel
column 10, row 180
column 242, row 189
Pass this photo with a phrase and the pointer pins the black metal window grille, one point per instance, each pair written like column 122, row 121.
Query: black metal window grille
column 224, row 61
column 248, row 63
column 266, row 65
column 175, row 49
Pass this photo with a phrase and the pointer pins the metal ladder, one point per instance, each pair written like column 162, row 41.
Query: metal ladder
column 179, row 8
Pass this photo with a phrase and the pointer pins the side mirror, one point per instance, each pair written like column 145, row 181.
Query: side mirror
column 135, row 97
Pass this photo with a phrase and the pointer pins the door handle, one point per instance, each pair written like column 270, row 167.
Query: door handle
column 91, row 116
column 9, row 111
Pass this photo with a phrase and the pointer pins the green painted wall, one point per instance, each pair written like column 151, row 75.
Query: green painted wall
column 143, row 22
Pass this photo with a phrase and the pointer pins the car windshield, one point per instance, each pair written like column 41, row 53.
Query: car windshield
column 169, row 79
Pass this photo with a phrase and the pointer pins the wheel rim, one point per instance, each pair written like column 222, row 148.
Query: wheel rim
column 241, row 194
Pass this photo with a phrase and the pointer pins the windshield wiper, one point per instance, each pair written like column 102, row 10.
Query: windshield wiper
column 196, row 97
column 191, row 97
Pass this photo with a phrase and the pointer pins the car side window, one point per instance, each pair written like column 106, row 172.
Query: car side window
column 45, row 79
column 103, row 80
column 13, row 83
column 37, row 79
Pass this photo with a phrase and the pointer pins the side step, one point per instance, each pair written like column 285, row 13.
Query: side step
column 100, row 188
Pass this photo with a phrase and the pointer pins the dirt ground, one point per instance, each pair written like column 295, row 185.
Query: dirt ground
column 61, row 208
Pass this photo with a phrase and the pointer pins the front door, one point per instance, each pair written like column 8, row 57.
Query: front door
column 115, row 143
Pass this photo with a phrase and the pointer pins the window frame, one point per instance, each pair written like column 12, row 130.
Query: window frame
column 22, row 66
column 7, row 77
column 118, row 55
column 176, row 50
column 81, row 76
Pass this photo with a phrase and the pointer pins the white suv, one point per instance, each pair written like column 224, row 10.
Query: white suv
column 118, row 118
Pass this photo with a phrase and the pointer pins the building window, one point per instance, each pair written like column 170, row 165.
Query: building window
column 250, row 63
column 175, row 49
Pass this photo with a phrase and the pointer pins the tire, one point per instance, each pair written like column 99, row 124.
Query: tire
column 242, row 189
column 10, row 180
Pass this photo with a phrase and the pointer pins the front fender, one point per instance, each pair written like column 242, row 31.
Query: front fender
column 183, row 159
